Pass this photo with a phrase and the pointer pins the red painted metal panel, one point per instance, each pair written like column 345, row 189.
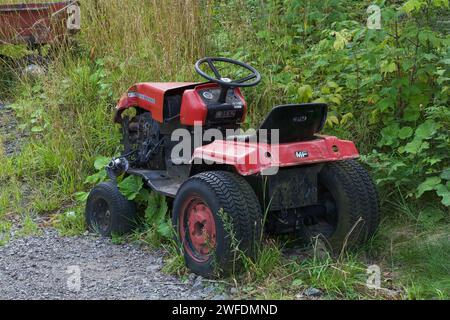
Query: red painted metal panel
column 149, row 96
column 251, row 158
column 193, row 109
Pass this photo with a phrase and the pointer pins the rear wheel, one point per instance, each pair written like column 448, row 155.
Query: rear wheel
column 108, row 212
column 351, row 204
column 217, row 217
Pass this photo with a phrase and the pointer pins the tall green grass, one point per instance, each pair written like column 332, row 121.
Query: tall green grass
column 67, row 112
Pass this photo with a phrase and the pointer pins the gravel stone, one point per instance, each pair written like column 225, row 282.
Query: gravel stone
column 46, row 267
column 312, row 292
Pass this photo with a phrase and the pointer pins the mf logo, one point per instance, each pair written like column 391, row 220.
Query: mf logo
column 301, row 154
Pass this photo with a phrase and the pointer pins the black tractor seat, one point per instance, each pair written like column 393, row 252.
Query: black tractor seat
column 294, row 122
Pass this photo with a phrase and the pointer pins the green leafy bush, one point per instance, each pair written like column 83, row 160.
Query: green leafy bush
column 387, row 89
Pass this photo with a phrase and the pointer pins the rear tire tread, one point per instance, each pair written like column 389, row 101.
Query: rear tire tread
column 362, row 197
column 240, row 202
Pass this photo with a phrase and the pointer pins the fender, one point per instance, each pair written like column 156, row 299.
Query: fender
column 149, row 96
column 250, row 158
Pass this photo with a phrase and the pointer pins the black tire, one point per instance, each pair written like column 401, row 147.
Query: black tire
column 355, row 205
column 108, row 212
column 229, row 197
column 371, row 200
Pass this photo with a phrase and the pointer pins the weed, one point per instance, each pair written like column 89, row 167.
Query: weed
column 29, row 227
column 118, row 239
column 5, row 228
column 70, row 223
column 424, row 265
column 174, row 262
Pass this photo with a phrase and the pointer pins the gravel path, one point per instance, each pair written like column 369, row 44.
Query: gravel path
column 47, row 267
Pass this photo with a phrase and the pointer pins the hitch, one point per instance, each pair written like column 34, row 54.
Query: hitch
column 117, row 167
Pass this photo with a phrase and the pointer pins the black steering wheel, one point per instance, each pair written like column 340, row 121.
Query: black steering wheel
column 249, row 81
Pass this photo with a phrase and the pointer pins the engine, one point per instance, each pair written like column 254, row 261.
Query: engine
column 143, row 142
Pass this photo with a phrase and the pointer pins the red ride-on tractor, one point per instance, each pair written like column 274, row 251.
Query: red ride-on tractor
column 226, row 190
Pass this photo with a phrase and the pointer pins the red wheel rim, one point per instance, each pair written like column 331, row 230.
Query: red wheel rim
column 197, row 229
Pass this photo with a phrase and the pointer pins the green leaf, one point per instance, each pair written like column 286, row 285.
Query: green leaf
column 444, row 192
column 165, row 229
column 335, row 100
column 325, row 90
column 332, row 84
column 342, row 38
column 413, row 5
column 388, row 67
column 297, row 282
column 150, row 213
column 412, row 113
column 163, row 208
column 37, row 129
column 428, row 185
column 446, row 174
column 143, row 196
column 426, row 129
column 101, row 162
column 305, row 93
column 416, row 146
column 385, row 104
column 396, row 165
column 156, row 209
column 405, row 132
column 440, row 3
column 389, row 135
column 96, row 178
column 346, row 117
column 131, row 186
column 429, row 37
column 432, row 159
column 332, row 120
column 81, row 196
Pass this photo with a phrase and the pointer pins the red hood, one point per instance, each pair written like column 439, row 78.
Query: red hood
column 166, row 86
column 150, row 96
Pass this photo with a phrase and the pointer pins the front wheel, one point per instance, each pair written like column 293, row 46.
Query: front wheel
column 217, row 217
column 108, row 212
